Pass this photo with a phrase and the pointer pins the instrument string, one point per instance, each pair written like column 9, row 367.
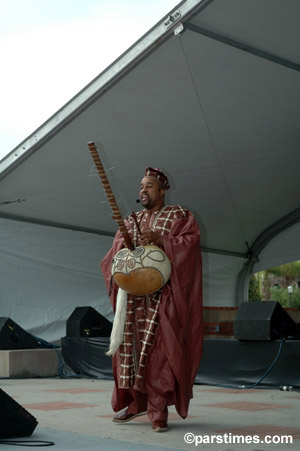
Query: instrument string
column 210, row 134
column 109, row 194
column 110, row 172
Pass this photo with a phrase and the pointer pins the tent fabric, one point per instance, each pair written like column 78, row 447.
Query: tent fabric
column 284, row 248
column 47, row 272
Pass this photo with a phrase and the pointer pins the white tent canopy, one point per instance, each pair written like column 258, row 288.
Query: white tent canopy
column 210, row 95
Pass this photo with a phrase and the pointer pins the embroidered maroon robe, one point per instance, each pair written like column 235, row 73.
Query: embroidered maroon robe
column 172, row 316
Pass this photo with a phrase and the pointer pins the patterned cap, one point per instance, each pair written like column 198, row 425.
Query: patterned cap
column 157, row 174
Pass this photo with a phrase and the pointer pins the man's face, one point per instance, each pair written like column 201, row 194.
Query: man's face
column 151, row 193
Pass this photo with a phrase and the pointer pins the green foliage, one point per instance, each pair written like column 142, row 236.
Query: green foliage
column 254, row 293
column 282, row 296
column 285, row 275
column 266, row 286
column 291, row 271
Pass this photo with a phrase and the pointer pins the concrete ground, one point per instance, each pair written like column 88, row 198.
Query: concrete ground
column 76, row 414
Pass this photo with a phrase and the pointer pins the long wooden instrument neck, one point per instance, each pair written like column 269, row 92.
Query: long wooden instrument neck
column 110, row 196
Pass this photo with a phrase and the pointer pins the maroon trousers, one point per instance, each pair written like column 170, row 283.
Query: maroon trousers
column 154, row 404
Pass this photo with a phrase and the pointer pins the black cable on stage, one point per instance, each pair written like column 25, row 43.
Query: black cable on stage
column 45, row 344
column 246, row 387
column 34, row 443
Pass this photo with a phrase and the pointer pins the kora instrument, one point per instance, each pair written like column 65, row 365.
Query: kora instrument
column 137, row 270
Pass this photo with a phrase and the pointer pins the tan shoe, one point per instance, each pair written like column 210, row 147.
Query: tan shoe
column 124, row 416
column 160, row 426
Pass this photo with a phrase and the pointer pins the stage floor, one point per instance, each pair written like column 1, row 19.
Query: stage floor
column 76, row 414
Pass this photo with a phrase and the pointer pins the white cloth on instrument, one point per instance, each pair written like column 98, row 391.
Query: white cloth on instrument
column 117, row 333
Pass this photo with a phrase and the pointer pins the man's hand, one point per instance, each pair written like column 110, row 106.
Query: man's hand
column 148, row 236
column 130, row 235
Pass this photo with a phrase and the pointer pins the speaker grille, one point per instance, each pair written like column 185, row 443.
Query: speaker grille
column 263, row 320
column 15, row 421
column 12, row 336
column 87, row 322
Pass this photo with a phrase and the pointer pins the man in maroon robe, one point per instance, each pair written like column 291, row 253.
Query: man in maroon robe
column 156, row 364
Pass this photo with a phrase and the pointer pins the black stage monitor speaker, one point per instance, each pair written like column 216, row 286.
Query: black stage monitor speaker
column 13, row 336
column 15, row 421
column 263, row 320
column 87, row 322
